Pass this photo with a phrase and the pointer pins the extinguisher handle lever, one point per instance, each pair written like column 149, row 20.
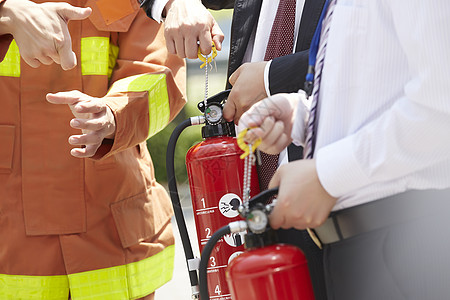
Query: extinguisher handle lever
column 218, row 99
column 263, row 197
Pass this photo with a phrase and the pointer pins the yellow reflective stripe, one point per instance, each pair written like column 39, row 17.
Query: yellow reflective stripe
column 131, row 281
column 151, row 273
column 34, row 287
column 94, row 55
column 10, row 66
column 113, row 54
column 110, row 283
column 158, row 98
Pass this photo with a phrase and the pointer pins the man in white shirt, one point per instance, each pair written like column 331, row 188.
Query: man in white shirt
column 382, row 152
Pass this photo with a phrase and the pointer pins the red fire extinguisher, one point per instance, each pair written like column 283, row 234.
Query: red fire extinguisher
column 266, row 270
column 216, row 175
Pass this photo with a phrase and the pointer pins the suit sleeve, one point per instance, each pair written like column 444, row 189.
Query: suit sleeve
column 147, row 5
column 216, row 5
column 148, row 85
column 287, row 73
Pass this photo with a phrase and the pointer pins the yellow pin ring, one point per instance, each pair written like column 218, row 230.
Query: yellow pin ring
column 244, row 146
column 207, row 58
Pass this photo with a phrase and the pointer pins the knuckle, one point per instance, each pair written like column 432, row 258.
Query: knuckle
column 201, row 26
column 97, row 138
column 313, row 223
column 59, row 41
column 170, row 32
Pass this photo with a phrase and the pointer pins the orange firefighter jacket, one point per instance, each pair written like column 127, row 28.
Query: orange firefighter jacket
column 99, row 227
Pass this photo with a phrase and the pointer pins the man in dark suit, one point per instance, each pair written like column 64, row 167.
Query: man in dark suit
column 188, row 22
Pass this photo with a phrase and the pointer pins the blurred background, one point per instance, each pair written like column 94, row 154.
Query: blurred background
column 179, row 287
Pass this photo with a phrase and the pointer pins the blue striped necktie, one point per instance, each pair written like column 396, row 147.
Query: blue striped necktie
column 317, row 55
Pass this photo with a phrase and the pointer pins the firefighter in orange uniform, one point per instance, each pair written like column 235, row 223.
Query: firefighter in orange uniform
column 88, row 228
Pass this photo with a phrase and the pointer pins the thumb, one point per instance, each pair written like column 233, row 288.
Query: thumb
column 275, row 181
column 229, row 109
column 217, row 35
column 70, row 12
column 70, row 98
column 234, row 77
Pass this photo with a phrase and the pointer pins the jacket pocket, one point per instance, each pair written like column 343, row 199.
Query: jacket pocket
column 7, row 139
column 141, row 217
column 113, row 15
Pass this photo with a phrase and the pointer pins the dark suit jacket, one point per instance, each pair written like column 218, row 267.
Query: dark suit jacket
column 287, row 73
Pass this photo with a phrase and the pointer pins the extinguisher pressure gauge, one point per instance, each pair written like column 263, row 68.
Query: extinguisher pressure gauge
column 257, row 219
column 213, row 114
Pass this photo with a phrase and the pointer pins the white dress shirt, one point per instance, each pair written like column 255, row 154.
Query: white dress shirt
column 384, row 104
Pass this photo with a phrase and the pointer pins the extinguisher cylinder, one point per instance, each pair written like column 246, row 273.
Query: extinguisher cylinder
column 276, row 272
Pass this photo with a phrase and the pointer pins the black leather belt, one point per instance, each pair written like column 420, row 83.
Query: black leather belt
column 349, row 222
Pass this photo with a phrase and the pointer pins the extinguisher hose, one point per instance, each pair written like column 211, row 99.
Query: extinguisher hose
column 206, row 253
column 178, row 211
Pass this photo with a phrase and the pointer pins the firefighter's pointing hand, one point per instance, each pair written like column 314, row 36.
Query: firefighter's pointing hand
column 92, row 116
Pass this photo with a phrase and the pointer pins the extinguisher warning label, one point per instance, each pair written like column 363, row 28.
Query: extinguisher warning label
column 229, row 205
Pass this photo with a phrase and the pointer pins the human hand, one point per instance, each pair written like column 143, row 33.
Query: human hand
column 302, row 201
column 188, row 21
column 92, row 116
column 41, row 32
column 248, row 88
column 273, row 118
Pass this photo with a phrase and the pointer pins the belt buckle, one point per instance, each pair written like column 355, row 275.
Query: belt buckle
column 329, row 232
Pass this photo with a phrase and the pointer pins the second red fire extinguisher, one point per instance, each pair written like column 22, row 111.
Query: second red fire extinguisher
column 266, row 270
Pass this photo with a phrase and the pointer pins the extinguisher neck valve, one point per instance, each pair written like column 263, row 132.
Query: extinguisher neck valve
column 259, row 240
column 221, row 129
column 197, row 120
column 238, row 226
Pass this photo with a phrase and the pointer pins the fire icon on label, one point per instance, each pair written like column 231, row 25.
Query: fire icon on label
column 229, row 204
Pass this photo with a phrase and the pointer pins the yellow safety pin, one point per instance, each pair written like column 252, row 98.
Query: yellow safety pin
column 244, row 146
column 207, row 59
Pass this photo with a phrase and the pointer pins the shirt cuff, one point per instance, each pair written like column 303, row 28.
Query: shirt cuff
column 157, row 9
column 266, row 78
column 338, row 170
column 301, row 119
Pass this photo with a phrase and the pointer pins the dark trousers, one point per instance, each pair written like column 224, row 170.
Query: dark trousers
column 409, row 260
